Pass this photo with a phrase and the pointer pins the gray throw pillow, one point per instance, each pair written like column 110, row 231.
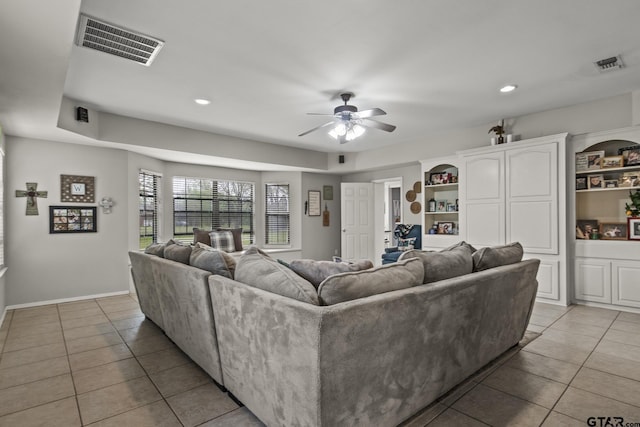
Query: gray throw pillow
column 460, row 243
column 256, row 268
column 495, row 256
column 386, row 278
column 443, row 265
column 176, row 251
column 156, row 249
column 316, row 271
column 210, row 259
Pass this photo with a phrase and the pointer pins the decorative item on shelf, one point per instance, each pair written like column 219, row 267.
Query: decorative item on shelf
column 595, row 181
column 631, row 155
column 441, row 206
column 595, row 234
column 589, row 160
column 613, row 231
column 106, row 204
column 633, row 227
column 432, row 205
column 499, row 131
column 633, row 209
column 612, row 162
column 630, row 179
column 445, row 228
column 581, row 183
column 32, row 195
column 610, row 183
column 584, row 228
column 434, row 229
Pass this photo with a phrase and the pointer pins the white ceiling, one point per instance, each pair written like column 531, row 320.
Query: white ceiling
column 432, row 65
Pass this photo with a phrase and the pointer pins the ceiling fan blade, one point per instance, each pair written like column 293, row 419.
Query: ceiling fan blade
column 320, row 114
column 316, row 128
column 378, row 125
column 370, row 113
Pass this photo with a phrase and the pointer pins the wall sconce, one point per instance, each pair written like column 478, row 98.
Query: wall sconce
column 106, row 203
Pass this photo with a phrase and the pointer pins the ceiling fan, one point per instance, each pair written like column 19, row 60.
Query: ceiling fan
column 349, row 123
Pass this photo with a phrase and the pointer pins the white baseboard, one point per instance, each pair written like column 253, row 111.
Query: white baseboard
column 63, row 300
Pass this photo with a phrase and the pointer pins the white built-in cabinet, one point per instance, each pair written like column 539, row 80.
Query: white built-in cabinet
column 606, row 272
column 516, row 192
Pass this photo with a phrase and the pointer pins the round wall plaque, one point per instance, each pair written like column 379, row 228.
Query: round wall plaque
column 415, row 207
column 411, row 196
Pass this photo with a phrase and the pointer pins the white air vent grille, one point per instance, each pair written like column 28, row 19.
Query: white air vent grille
column 118, row 41
column 609, row 64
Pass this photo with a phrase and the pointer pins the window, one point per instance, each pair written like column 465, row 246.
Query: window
column 149, row 183
column 210, row 204
column 277, row 214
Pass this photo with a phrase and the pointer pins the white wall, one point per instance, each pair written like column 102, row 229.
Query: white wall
column 319, row 242
column 43, row 266
column 6, row 193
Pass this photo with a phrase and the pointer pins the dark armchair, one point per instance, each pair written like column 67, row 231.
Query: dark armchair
column 403, row 231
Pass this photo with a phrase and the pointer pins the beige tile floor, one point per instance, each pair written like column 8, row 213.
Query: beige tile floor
column 100, row 363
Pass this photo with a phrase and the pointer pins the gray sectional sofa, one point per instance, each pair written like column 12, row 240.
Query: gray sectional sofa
column 365, row 348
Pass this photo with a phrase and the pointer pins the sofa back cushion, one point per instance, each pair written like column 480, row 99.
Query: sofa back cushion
column 202, row 236
column 210, row 259
column 495, row 256
column 316, row 271
column 176, row 251
column 256, row 268
column 156, row 249
column 445, row 264
column 389, row 277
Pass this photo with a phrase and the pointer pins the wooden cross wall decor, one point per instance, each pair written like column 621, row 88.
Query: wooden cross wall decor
column 31, row 194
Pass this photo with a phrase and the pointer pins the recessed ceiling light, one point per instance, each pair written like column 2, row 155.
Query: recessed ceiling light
column 508, row 88
column 202, row 101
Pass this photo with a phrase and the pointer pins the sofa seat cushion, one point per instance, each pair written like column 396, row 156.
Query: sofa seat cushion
column 213, row 260
column 316, row 271
column 176, row 251
column 442, row 265
column 353, row 285
column 495, row 256
column 256, row 268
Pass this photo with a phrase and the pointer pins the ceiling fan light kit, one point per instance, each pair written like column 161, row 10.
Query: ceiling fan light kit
column 348, row 123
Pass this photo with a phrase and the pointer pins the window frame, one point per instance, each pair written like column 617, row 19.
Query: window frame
column 156, row 178
column 281, row 214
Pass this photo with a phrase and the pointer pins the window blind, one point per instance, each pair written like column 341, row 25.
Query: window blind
column 209, row 204
column 148, row 203
column 277, row 230
column 1, row 208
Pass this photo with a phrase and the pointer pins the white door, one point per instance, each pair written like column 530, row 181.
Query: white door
column 357, row 222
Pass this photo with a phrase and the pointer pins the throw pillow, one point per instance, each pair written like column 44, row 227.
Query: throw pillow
column 386, row 278
column 495, row 256
column 443, row 265
column 177, row 251
column 406, row 244
column 316, row 271
column 202, row 236
column 210, row 259
column 259, row 270
column 222, row 240
column 237, row 236
column 460, row 243
column 156, row 249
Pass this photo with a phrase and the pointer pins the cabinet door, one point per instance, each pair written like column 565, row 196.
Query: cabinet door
column 593, row 280
column 532, row 198
column 548, row 279
column 483, row 195
column 625, row 286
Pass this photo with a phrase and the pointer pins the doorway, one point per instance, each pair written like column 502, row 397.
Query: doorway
column 388, row 213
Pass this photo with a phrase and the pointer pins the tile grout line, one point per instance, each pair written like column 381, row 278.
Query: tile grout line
column 66, row 350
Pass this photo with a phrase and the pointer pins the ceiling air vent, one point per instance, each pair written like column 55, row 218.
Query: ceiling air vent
column 609, row 64
column 118, row 41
